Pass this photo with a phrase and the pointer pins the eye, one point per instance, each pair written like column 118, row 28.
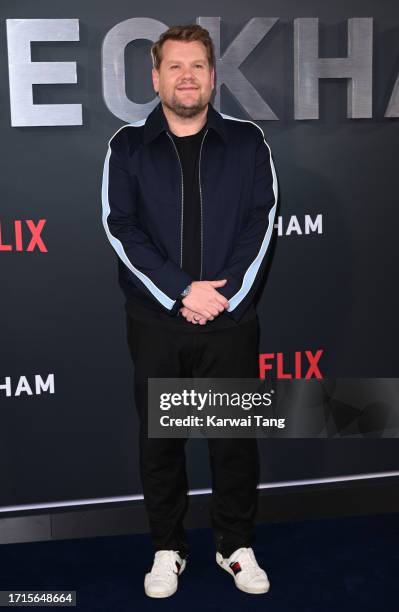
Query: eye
column 174, row 66
column 199, row 66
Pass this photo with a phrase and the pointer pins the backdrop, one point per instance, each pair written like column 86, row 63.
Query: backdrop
column 321, row 81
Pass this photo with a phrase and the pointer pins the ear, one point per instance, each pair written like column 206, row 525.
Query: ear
column 155, row 79
column 213, row 78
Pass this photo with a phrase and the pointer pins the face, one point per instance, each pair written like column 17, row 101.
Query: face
column 185, row 80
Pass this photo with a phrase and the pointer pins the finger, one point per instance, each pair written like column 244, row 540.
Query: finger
column 218, row 283
column 221, row 300
column 204, row 313
column 194, row 316
column 213, row 310
column 219, row 307
column 191, row 313
column 197, row 315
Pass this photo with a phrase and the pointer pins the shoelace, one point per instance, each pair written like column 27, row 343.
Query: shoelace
column 164, row 562
column 246, row 559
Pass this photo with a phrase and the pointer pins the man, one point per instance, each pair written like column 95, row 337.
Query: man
column 189, row 199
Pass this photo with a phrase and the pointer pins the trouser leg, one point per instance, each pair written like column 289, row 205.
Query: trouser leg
column 234, row 461
column 159, row 353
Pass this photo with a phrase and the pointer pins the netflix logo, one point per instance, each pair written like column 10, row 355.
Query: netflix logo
column 22, row 235
column 303, row 364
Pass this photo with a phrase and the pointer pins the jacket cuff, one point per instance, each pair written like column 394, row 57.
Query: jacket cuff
column 231, row 287
column 177, row 280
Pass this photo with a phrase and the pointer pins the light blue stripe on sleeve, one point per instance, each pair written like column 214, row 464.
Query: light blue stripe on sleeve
column 117, row 245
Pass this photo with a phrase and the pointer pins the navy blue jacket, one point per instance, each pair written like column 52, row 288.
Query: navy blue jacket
column 143, row 208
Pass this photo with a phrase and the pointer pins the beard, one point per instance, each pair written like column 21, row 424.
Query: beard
column 185, row 110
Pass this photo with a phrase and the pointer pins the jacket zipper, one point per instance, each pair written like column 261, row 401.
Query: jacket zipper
column 182, row 200
column 200, row 190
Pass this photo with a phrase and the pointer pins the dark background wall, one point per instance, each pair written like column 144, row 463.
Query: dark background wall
column 62, row 310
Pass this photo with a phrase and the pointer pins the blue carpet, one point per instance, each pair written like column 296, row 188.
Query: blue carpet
column 329, row 565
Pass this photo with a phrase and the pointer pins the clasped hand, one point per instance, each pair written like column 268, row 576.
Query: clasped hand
column 204, row 302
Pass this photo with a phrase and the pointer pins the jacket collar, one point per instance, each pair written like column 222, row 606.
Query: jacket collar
column 156, row 123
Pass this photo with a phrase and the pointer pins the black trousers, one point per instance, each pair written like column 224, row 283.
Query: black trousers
column 226, row 353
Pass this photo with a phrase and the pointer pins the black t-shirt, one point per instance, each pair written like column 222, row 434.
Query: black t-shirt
column 189, row 151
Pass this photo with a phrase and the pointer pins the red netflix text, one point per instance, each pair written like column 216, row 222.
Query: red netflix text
column 303, row 364
column 28, row 240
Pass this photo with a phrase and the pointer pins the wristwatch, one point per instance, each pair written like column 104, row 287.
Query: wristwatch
column 186, row 291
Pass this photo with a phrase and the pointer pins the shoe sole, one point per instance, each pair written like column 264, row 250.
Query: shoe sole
column 165, row 593
column 160, row 595
column 252, row 591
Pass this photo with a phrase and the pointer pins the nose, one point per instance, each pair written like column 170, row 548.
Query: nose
column 187, row 74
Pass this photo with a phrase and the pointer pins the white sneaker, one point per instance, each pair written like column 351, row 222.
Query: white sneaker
column 248, row 576
column 161, row 581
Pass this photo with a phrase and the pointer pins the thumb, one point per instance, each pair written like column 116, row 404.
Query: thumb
column 218, row 283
